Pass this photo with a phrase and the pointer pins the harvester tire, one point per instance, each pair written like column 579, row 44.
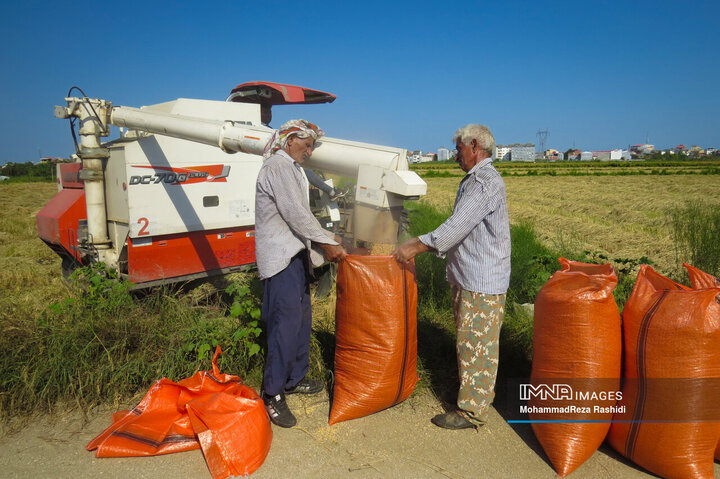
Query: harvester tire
column 69, row 265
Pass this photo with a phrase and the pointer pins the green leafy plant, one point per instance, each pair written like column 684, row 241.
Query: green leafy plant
column 245, row 307
column 625, row 269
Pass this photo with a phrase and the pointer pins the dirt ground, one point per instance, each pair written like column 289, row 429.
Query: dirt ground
column 399, row 442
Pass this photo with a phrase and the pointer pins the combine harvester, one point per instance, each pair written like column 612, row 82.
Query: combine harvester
column 173, row 199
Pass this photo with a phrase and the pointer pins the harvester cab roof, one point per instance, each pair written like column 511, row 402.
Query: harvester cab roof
column 267, row 93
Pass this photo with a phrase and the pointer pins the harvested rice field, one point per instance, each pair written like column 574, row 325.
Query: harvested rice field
column 621, row 216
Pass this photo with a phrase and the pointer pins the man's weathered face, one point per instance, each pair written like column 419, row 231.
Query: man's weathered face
column 299, row 149
column 467, row 155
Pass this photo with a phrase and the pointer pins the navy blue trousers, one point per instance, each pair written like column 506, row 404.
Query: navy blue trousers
column 287, row 313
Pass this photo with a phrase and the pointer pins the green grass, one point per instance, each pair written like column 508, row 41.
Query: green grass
column 102, row 344
column 696, row 234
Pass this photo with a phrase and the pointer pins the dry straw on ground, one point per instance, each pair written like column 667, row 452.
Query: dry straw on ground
column 621, row 216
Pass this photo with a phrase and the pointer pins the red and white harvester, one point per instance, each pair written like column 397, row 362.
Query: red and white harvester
column 173, row 198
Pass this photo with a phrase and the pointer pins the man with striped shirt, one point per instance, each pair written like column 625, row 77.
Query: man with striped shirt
column 476, row 240
column 286, row 238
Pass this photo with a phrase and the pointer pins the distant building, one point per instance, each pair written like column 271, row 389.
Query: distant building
column 443, row 154
column 414, row 156
column 522, row 152
column 574, row 155
column 586, row 156
column 601, row 155
column 502, row 153
column 639, row 150
column 551, row 154
column 428, row 157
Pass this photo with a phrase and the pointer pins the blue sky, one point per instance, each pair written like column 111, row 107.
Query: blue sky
column 597, row 75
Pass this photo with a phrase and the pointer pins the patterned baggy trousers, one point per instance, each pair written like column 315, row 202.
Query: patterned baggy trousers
column 478, row 318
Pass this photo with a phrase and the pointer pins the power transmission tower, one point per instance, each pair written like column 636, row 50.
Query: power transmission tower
column 542, row 138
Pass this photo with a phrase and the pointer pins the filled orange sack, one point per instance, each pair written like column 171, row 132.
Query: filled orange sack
column 577, row 341
column 210, row 410
column 375, row 336
column 700, row 279
column 672, row 368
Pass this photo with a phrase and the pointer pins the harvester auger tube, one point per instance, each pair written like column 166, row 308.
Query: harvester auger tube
column 173, row 197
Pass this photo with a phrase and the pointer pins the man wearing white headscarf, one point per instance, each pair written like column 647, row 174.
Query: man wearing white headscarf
column 287, row 239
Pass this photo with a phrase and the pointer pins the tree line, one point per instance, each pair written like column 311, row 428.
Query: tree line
column 44, row 170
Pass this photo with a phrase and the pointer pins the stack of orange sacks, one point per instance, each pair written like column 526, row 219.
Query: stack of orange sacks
column 671, row 376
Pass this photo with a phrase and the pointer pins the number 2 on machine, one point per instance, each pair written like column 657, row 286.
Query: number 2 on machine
column 144, row 222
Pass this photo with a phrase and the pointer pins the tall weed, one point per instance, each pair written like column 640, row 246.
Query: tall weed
column 696, row 234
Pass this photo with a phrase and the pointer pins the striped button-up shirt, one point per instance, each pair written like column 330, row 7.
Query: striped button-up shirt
column 284, row 224
column 476, row 237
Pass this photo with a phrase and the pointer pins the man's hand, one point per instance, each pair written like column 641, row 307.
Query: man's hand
column 334, row 253
column 409, row 249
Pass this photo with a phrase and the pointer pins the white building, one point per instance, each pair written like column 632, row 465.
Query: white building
column 524, row 152
column 502, row 153
column 414, row 156
column 443, row 154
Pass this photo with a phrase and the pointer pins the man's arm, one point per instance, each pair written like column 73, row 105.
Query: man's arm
column 334, row 253
column 318, row 182
column 409, row 249
column 475, row 204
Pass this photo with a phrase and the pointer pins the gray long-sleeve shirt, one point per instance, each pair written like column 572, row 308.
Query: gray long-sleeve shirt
column 284, row 224
column 476, row 237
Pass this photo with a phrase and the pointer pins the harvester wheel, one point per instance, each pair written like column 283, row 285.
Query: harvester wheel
column 69, row 265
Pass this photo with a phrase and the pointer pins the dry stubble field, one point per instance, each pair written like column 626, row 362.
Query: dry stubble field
column 622, row 216
column 30, row 277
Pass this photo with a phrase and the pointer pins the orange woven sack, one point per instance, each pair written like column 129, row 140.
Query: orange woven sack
column 210, row 410
column 576, row 341
column 672, row 366
column 375, row 336
column 700, row 279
